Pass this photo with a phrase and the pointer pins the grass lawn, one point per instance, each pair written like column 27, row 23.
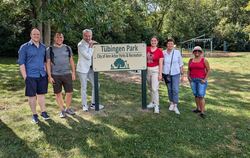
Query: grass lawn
column 123, row 129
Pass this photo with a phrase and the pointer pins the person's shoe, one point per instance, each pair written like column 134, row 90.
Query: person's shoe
column 171, row 107
column 202, row 115
column 62, row 114
column 92, row 106
column 70, row 111
column 150, row 105
column 85, row 108
column 196, row 111
column 45, row 116
column 176, row 110
column 156, row 109
column 35, row 118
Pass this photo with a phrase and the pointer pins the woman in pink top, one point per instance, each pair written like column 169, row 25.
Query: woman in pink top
column 198, row 71
column 154, row 72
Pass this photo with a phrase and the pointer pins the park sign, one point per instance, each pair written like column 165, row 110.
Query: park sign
column 119, row 57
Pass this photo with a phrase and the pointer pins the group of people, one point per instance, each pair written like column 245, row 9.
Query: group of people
column 168, row 65
column 40, row 65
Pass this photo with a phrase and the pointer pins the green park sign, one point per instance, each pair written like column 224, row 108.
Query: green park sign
column 119, row 57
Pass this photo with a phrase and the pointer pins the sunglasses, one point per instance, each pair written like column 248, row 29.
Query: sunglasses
column 197, row 51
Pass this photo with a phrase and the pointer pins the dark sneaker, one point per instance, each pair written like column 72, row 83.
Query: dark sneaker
column 196, row 111
column 202, row 115
column 45, row 116
column 92, row 106
column 70, row 111
column 62, row 114
column 35, row 118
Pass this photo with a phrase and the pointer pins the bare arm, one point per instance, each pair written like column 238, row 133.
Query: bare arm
column 48, row 67
column 208, row 70
column 72, row 64
column 160, row 68
column 23, row 71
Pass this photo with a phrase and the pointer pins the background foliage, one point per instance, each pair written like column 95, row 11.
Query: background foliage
column 121, row 21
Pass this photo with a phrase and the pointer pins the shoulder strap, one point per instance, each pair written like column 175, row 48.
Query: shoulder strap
column 171, row 63
column 51, row 54
column 68, row 50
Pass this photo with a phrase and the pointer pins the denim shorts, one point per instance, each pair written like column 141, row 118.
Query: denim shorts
column 198, row 88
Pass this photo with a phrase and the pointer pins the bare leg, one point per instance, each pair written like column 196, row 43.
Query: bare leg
column 59, row 100
column 32, row 103
column 68, row 99
column 197, row 101
column 41, row 102
column 202, row 105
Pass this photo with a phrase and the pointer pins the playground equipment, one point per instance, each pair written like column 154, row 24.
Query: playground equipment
column 191, row 43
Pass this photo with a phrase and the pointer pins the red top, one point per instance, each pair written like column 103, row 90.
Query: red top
column 153, row 57
column 197, row 69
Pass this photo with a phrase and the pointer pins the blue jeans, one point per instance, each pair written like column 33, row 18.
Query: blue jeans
column 173, row 88
column 198, row 88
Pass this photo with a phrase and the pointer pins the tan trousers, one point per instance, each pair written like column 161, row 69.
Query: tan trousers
column 153, row 82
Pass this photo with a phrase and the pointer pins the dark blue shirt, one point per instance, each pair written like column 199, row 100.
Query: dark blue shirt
column 33, row 58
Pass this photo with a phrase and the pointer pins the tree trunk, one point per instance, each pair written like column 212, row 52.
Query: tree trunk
column 47, row 33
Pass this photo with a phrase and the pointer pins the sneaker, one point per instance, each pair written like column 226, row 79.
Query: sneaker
column 85, row 108
column 202, row 115
column 196, row 111
column 171, row 107
column 156, row 109
column 176, row 110
column 150, row 105
column 44, row 115
column 70, row 111
column 92, row 106
column 62, row 114
column 35, row 118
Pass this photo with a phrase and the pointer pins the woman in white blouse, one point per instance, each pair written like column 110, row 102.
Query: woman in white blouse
column 172, row 72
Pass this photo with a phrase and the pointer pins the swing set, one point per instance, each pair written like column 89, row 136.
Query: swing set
column 191, row 43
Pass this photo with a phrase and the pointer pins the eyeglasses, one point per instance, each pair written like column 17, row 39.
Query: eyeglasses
column 197, row 51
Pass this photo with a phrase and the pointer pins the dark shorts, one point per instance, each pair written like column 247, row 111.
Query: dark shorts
column 62, row 80
column 36, row 86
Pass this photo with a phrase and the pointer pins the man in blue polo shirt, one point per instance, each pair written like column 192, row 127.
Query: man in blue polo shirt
column 32, row 66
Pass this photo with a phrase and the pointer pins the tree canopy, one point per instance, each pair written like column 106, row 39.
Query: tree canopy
column 125, row 21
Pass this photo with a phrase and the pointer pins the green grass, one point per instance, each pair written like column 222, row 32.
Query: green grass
column 123, row 129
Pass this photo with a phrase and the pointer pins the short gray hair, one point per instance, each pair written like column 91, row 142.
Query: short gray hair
column 87, row 30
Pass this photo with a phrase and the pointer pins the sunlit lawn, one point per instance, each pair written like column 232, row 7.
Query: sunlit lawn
column 123, row 129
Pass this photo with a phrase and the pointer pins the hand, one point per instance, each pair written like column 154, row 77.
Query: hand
column 73, row 76
column 182, row 78
column 51, row 80
column 189, row 79
column 91, row 43
column 203, row 81
column 160, row 77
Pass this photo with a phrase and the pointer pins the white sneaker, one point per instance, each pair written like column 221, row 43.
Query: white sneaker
column 156, row 109
column 150, row 105
column 85, row 108
column 171, row 107
column 176, row 110
column 92, row 106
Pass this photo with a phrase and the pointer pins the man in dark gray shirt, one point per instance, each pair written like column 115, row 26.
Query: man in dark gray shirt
column 61, row 72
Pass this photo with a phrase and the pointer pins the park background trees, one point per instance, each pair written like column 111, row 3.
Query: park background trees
column 123, row 21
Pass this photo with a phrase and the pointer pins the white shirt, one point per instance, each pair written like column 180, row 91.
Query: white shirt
column 176, row 63
column 84, row 57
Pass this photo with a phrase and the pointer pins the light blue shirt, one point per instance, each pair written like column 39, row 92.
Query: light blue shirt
column 176, row 63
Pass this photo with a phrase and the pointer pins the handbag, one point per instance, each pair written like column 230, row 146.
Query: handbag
column 167, row 77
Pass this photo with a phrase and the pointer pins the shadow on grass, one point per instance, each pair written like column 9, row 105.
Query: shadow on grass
column 13, row 146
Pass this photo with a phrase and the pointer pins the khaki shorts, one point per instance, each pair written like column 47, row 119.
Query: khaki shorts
column 64, row 81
